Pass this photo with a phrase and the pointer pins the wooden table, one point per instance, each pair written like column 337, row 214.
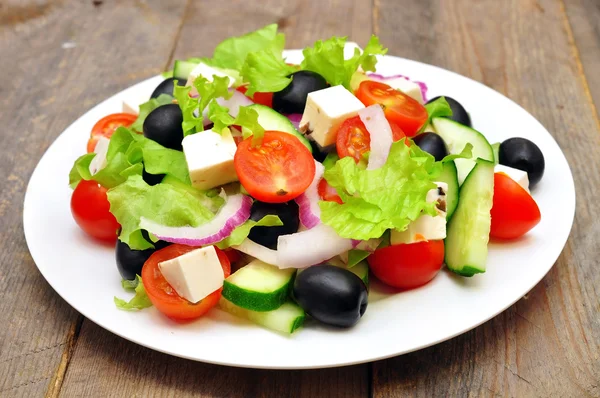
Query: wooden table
column 58, row 58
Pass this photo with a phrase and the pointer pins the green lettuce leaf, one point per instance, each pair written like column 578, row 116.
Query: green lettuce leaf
column 148, row 107
column 327, row 59
column 330, row 160
column 266, row 71
column 166, row 204
column 138, row 302
column 129, row 286
column 241, row 233
column 376, row 200
column 247, row 119
column 437, row 108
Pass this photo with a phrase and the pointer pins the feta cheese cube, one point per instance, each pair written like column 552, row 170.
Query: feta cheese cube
column 207, row 72
column 209, row 157
column 99, row 161
column 132, row 103
column 325, row 110
column 195, row 274
column 517, row 175
column 408, row 87
column 426, row 227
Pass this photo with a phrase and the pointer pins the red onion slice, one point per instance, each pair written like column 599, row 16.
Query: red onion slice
column 233, row 214
column 295, row 119
column 381, row 78
column 308, row 202
column 381, row 135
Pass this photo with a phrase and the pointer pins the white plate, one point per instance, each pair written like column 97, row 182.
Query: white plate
column 83, row 272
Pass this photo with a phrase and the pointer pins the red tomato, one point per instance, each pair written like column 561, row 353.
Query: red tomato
column 514, row 212
column 278, row 170
column 106, row 126
column 259, row 98
column 164, row 297
column 398, row 107
column 327, row 192
column 233, row 255
column 409, row 265
column 353, row 139
column 90, row 208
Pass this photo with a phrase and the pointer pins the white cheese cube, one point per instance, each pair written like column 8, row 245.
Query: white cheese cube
column 195, row 274
column 99, row 161
column 209, row 157
column 408, row 87
column 324, row 112
column 207, row 72
column 426, row 227
column 517, row 175
column 132, row 103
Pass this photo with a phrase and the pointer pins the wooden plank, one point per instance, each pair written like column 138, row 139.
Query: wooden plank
column 131, row 370
column 58, row 59
column 548, row 344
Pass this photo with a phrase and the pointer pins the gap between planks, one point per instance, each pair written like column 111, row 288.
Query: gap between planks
column 59, row 376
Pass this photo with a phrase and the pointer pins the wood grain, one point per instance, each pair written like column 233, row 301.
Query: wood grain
column 548, row 343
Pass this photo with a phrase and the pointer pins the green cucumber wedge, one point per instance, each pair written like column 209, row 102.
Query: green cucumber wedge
column 270, row 119
column 182, row 70
column 468, row 232
column 259, row 286
column 450, row 176
column 285, row 319
column 456, row 136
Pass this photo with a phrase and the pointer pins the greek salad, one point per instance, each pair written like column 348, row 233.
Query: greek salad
column 274, row 191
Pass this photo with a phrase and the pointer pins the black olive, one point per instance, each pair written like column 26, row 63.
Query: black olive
column 317, row 152
column 332, row 295
column 520, row 153
column 292, row 99
column 163, row 125
column 130, row 262
column 459, row 113
column 152, row 179
column 267, row 236
column 166, row 87
column 433, row 144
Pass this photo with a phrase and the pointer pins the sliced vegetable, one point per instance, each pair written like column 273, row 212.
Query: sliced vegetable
column 380, row 134
column 308, row 202
column 239, row 234
column 138, row 302
column 286, row 319
column 106, row 127
column 449, row 175
column 385, row 79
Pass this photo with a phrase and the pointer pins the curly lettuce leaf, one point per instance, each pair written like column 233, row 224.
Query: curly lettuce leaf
column 166, row 204
column 148, row 107
column 247, row 119
column 327, row 59
column 139, row 301
column 241, row 233
column 437, row 108
column 266, row 71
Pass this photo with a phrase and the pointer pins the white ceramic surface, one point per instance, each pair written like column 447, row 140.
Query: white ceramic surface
column 84, row 272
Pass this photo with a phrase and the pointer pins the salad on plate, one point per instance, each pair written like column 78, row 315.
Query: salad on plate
column 274, row 190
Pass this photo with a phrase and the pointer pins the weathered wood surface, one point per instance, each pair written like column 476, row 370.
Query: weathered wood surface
column 544, row 54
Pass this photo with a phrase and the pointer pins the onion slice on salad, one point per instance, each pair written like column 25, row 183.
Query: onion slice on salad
column 255, row 250
column 233, row 214
column 383, row 79
column 295, row 119
column 381, row 135
column 308, row 202
column 236, row 100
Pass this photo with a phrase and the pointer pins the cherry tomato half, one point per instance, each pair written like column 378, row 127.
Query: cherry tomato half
column 106, row 126
column 164, row 297
column 259, row 98
column 278, row 170
column 327, row 192
column 407, row 266
column 91, row 210
column 407, row 112
column 353, row 139
column 514, row 212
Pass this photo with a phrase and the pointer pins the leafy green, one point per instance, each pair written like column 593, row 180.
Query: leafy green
column 330, row 160
column 327, row 59
column 165, row 204
column 266, row 71
column 148, row 107
column 247, row 119
column 129, row 286
column 376, row 200
column 241, row 233
column 437, row 108
column 138, row 302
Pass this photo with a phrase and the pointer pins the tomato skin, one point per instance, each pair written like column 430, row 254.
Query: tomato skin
column 258, row 98
column 407, row 112
column 327, row 192
column 91, row 210
column 165, row 298
column 278, row 170
column 514, row 211
column 408, row 266
column 106, row 126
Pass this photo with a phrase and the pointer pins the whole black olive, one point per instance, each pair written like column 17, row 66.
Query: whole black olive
column 459, row 113
column 163, row 125
column 267, row 236
column 332, row 295
column 318, row 154
column 433, row 144
column 520, row 153
column 292, row 99
column 152, row 179
column 130, row 262
column 166, row 87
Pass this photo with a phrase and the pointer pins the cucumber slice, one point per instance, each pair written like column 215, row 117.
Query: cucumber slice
column 450, row 176
column 361, row 269
column 469, row 229
column 496, row 148
column 259, row 286
column 270, row 119
column 182, row 70
column 285, row 319
column 456, row 136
